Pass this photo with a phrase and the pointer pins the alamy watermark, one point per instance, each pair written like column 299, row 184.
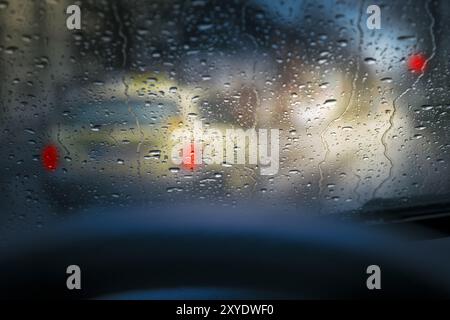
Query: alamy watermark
column 73, row 21
column 73, row 281
column 374, row 20
column 197, row 145
column 374, row 280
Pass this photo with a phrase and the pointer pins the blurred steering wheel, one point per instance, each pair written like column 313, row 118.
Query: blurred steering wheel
column 222, row 253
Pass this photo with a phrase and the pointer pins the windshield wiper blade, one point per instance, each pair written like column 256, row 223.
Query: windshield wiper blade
column 406, row 209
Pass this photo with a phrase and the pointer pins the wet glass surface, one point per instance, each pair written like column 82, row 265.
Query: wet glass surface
column 88, row 116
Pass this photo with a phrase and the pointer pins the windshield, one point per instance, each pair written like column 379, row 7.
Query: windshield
column 263, row 103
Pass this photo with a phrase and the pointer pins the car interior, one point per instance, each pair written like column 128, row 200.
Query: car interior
column 224, row 150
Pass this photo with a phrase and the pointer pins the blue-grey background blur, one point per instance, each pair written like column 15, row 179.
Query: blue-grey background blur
column 109, row 95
